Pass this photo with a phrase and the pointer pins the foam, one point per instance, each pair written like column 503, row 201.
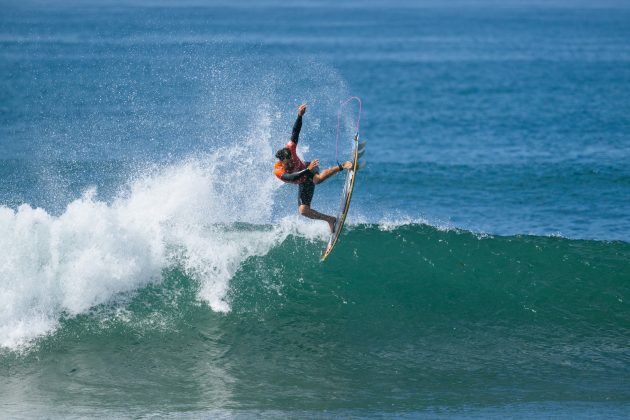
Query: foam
column 56, row 264
column 95, row 252
column 389, row 223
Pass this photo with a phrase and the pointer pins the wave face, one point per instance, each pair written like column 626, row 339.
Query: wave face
column 428, row 315
column 444, row 275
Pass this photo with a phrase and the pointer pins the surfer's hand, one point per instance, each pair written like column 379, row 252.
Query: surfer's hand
column 347, row 165
column 314, row 164
column 301, row 109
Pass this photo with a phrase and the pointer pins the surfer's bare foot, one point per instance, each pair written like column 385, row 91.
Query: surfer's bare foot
column 331, row 224
column 347, row 165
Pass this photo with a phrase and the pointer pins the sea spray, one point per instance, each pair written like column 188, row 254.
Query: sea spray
column 54, row 266
column 97, row 250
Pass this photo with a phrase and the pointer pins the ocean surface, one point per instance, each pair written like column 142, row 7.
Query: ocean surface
column 151, row 265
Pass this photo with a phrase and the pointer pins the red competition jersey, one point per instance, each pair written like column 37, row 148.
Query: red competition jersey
column 298, row 165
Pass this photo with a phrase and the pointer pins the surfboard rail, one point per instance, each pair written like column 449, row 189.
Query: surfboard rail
column 344, row 205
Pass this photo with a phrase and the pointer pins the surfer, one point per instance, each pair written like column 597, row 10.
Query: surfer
column 291, row 169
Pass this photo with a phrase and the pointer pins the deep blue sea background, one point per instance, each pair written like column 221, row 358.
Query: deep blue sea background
column 150, row 263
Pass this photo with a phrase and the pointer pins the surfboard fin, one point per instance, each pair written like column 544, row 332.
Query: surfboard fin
column 361, row 152
column 362, row 146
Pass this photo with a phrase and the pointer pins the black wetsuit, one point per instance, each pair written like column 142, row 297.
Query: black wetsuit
column 306, row 189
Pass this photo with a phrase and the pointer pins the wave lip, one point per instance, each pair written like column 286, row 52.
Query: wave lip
column 61, row 266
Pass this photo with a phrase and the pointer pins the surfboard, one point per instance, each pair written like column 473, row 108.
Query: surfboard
column 346, row 196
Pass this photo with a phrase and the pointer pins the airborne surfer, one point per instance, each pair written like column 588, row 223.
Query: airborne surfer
column 291, row 169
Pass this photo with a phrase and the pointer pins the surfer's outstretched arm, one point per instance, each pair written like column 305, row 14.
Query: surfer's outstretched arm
column 295, row 134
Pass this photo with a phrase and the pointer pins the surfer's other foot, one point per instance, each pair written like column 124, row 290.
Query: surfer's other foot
column 331, row 224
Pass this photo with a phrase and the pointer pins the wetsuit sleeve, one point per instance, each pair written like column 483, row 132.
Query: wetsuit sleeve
column 296, row 129
column 295, row 175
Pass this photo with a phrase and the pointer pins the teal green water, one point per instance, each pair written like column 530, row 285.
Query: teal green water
column 401, row 319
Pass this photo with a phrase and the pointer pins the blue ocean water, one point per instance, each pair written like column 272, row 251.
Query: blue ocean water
column 151, row 264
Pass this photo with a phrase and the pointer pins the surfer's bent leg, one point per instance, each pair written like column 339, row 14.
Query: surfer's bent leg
column 305, row 195
column 307, row 211
column 321, row 177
